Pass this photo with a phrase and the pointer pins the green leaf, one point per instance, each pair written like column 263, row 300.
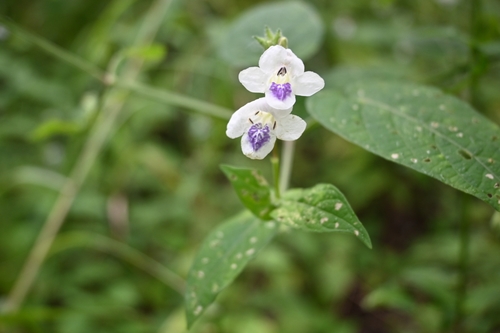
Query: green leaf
column 322, row 208
column 418, row 127
column 252, row 189
column 298, row 21
column 222, row 256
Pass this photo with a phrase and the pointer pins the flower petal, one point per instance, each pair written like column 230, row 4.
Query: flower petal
column 239, row 123
column 290, row 128
column 278, row 104
column 308, row 84
column 247, row 149
column 272, row 59
column 253, row 79
column 294, row 63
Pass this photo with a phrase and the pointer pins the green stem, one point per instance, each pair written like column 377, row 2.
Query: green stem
column 122, row 251
column 275, row 161
column 286, row 160
column 463, row 259
column 162, row 95
column 474, row 59
column 113, row 104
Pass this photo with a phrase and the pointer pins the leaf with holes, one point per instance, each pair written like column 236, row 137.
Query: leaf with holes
column 252, row 189
column 418, row 127
column 222, row 256
column 322, row 208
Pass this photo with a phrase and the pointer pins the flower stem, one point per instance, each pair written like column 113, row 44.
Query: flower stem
column 286, row 160
column 275, row 161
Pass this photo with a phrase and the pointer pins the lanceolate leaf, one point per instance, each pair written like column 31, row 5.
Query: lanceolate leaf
column 222, row 256
column 322, row 208
column 419, row 127
column 252, row 189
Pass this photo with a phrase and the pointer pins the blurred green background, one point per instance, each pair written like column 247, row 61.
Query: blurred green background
column 155, row 190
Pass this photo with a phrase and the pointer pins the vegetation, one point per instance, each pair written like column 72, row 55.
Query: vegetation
column 113, row 120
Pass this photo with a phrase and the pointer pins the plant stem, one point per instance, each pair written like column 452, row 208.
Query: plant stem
column 286, row 160
column 121, row 250
column 463, row 259
column 162, row 95
column 113, row 104
column 275, row 161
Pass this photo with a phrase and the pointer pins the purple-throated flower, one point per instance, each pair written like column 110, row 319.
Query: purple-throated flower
column 259, row 125
column 280, row 76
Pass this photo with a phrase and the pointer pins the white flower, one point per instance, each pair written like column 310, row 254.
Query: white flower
column 280, row 76
column 259, row 125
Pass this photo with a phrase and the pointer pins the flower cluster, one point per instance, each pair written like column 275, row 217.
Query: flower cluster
column 280, row 76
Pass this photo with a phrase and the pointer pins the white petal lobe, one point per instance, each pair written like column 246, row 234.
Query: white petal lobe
column 308, row 84
column 253, row 79
column 290, row 128
column 247, row 148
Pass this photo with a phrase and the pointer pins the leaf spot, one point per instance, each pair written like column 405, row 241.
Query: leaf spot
column 253, row 240
column 497, row 185
column 427, row 160
column 338, row 205
column 434, row 124
column 323, row 220
column 465, row 154
column 234, row 266
column 239, row 255
column 336, row 225
column 198, row 310
column 201, row 274
column 356, row 232
column 442, row 107
column 355, row 107
column 460, row 135
column 418, row 128
column 219, row 234
column 416, row 92
column 249, row 252
column 214, row 243
column 215, row 287
column 271, row 225
column 490, row 160
column 395, row 156
column 453, row 128
column 489, row 175
column 205, row 260
column 414, row 160
column 489, row 195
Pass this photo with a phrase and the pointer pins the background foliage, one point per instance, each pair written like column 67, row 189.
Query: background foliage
column 156, row 190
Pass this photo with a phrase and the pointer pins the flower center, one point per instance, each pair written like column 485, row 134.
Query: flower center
column 262, row 125
column 258, row 136
column 280, row 84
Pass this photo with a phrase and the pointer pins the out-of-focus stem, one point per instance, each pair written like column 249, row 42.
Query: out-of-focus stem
column 112, row 106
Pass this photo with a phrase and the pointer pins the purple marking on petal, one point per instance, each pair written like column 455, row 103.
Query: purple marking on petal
column 258, row 136
column 281, row 91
